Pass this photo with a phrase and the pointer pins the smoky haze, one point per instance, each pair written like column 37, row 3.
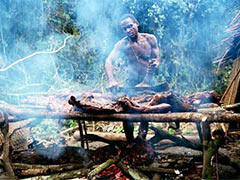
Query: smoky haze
column 188, row 34
column 183, row 35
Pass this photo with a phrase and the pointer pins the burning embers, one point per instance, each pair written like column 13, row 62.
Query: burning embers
column 120, row 159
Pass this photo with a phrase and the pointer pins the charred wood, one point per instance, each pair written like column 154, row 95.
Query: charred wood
column 103, row 166
column 51, row 155
column 160, row 135
column 224, row 159
column 134, row 173
column 94, row 137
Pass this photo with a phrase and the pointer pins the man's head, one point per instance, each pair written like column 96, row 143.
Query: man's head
column 130, row 25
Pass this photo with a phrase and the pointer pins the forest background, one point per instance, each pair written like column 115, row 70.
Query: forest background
column 54, row 45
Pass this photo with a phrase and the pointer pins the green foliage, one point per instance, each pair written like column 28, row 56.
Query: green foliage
column 47, row 129
column 222, row 77
column 188, row 34
column 187, row 131
column 118, row 129
column 61, row 18
column 72, row 123
column 171, row 131
column 159, row 127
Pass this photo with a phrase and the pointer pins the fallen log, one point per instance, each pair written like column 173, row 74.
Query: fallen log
column 51, row 155
column 224, row 159
column 27, row 170
column 160, row 135
column 78, row 173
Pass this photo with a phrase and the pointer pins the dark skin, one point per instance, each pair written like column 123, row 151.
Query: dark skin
column 141, row 49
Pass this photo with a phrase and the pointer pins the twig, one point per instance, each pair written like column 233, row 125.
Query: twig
column 69, row 130
column 34, row 54
column 155, row 168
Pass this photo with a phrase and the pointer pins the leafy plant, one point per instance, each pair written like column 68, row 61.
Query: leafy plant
column 118, row 129
column 171, row 131
column 72, row 123
column 187, row 131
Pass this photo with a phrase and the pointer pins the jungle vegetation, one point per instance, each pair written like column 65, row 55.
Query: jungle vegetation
column 71, row 40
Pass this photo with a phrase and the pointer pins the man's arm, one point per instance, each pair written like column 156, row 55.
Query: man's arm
column 109, row 67
column 155, row 55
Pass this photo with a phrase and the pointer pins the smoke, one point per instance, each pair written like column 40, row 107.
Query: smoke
column 188, row 34
column 100, row 20
column 23, row 30
column 23, row 33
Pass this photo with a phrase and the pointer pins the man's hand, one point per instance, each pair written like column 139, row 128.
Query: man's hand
column 153, row 63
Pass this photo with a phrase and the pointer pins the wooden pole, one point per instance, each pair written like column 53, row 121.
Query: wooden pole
column 207, row 168
column 211, row 144
column 219, row 117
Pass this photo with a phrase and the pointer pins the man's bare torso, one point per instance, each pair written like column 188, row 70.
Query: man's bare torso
column 139, row 52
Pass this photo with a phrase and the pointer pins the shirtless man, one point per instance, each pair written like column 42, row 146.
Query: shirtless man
column 142, row 52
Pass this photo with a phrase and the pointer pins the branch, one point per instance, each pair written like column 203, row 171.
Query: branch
column 34, row 54
column 160, row 135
